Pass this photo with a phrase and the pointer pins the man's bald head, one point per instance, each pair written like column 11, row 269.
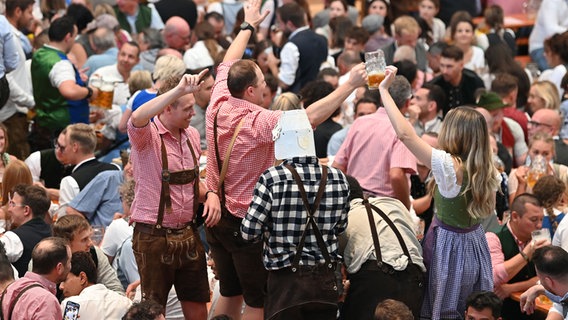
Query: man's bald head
column 545, row 120
column 177, row 33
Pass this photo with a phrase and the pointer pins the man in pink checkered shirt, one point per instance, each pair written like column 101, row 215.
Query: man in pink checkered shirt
column 236, row 95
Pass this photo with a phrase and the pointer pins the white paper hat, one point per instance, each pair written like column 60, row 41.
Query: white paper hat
column 293, row 136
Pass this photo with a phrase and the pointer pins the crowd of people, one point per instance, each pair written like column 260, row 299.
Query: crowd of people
column 241, row 168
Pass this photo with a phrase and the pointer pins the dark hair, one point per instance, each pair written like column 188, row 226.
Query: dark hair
column 35, row 197
column 557, row 45
column 292, row 12
column 134, row 44
column 81, row 14
column 407, row 69
column 552, row 261
column 452, row 52
column 6, row 271
column 392, row 309
column 436, row 94
column 12, row 5
column 343, row 3
column 339, row 26
column 271, row 82
column 401, row 91
column 242, row 75
column 504, row 83
column 485, row 299
column 60, row 28
column 355, row 190
column 519, row 202
column 327, row 72
column 82, row 261
column 144, row 310
column 314, row 91
column 358, row 33
column 494, row 17
column 48, row 253
column 365, row 100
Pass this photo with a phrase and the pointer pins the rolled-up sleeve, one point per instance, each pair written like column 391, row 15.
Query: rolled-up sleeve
column 500, row 275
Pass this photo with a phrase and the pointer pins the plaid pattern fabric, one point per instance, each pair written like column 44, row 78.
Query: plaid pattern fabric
column 277, row 213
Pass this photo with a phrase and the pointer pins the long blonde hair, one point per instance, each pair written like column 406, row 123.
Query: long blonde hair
column 465, row 136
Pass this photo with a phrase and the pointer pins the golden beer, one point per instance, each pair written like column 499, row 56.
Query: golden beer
column 374, row 79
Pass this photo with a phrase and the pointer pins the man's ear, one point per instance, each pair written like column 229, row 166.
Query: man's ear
column 84, row 279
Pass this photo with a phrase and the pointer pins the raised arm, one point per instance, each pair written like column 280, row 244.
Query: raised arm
column 254, row 18
column 320, row 110
column 189, row 83
column 403, row 128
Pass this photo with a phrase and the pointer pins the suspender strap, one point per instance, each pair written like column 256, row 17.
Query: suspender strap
column 222, row 168
column 311, row 209
column 165, row 196
column 13, row 304
column 376, row 243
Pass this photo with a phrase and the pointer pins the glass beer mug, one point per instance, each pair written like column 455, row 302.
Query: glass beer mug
column 106, row 93
column 375, row 65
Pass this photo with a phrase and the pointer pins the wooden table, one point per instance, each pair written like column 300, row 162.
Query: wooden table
column 512, row 21
column 539, row 304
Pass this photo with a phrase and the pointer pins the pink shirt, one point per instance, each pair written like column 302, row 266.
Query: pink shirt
column 146, row 160
column 500, row 275
column 253, row 151
column 36, row 303
column 370, row 150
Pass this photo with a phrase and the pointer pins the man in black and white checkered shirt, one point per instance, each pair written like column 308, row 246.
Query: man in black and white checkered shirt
column 277, row 214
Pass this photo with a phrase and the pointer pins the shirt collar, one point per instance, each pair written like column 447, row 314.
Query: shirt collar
column 80, row 163
column 44, row 282
column 519, row 243
column 162, row 130
column 300, row 29
column 301, row 160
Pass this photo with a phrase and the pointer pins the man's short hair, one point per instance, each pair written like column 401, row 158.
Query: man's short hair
column 104, row 39
column 242, row 75
column 35, row 197
column 392, row 309
column 358, row 33
column 552, row 261
column 82, row 261
column 401, row 91
column 84, row 135
column 144, row 310
column 292, row 12
column 519, row 202
column 314, row 91
column 48, row 253
column 69, row 225
column 153, row 38
column 330, row 72
column 365, row 100
column 407, row 69
column 436, row 94
column 437, row 47
column 485, row 299
column 453, row 52
column 12, row 5
column 6, row 271
column 349, row 57
column 271, row 82
column 60, row 28
column 504, row 83
column 405, row 25
column 135, row 45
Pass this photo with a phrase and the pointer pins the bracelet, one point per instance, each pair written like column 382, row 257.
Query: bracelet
column 89, row 93
column 207, row 193
column 524, row 256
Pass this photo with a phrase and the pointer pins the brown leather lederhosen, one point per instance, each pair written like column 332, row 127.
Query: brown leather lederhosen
column 308, row 284
column 181, row 177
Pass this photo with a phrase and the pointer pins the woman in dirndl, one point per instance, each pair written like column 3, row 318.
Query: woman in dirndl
column 456, row 253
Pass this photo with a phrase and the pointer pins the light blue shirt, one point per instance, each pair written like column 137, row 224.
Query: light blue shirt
column 100, row 200
column 104, row 59
column 9, row 59
column 336, row 141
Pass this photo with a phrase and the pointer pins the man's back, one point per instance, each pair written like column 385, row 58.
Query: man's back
column 30, row 233
column 313, row 52
column 370, row 150
column 98, row 302
column 37, row 302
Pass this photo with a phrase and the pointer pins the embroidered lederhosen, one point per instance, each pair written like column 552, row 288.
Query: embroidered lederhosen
column 181, row 177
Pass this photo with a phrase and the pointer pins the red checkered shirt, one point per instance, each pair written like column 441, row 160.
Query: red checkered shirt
column 253, row 151
column 146, row 160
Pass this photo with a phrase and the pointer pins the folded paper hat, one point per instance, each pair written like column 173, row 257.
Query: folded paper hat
column 293, row 136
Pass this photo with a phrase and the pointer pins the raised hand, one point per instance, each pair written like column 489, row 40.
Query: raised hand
column 190, row 83
column 358, row 75
column 390, row 74
column 252, row 12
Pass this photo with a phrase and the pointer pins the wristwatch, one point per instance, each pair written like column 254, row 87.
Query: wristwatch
column 247, row 26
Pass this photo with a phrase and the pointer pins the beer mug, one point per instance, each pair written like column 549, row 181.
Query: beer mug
column 106, row 93
column 375, row 65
